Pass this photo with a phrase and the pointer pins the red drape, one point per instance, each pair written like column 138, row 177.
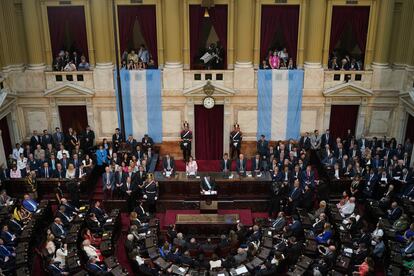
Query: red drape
column 209, row 132
column 5, row 135
column 218, row 16
column 409, row 132
column 343, row 117
column 196, row 19
column 72, row 18
column 358, row 17
column 274, row 17
column 146, row 16
column 73, row 116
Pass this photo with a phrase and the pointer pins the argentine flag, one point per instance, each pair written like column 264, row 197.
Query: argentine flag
column 141, row 98
column 279, row 103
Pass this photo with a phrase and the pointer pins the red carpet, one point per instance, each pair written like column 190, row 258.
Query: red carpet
column 120, row 251
column 203, row 165
column 98, row 192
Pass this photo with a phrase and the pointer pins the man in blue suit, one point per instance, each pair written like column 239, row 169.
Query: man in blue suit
column 93, row 267
column 294, row 196
column 57, row 229
column 108, row 182
column 263, row 147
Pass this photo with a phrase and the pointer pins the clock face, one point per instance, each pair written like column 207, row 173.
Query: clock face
column 208, row 102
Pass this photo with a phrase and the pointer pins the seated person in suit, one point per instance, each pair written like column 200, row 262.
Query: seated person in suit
column 60, row 172
column 225, row 164
column 45, row 171
column 29, row 204
column 191, row 167
column 257, row 164
column 142, row 214
column 57, row 229
column 207, row 184
column 279, row 222
column 64, row 217
column 55, row 268
column 394, row 212
column 99, row 212
column 241, row 165
column 96, row 268
column 93, row 223
column 168, row 164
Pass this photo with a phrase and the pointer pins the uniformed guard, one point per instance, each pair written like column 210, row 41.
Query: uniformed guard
column 150, row 192
column 236, row 137
column 186, row 138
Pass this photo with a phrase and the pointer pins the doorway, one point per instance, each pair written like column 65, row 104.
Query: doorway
column 209, row 132
column 343, row 117
column 74, row 116
column 5, row 134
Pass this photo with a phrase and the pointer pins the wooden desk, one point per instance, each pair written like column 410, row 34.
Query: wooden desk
column 182, row 187
column 206, row 223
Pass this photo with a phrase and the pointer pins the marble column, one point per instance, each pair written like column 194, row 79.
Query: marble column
column 34, row 45
column 243, row 68
column 100, row 29
column 384, row 32
column 3, row 159
column 173, row 70
column 315, row 33
column 405, row 30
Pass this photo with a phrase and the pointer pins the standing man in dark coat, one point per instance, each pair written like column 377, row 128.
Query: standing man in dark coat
column 186, row 138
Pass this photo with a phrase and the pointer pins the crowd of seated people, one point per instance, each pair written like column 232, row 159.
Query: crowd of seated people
column 137, row 60
column 345, row 62
column 58, row 155
column 278, row 60
column 70, row 62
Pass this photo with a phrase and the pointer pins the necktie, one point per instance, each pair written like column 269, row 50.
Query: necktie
column 47, row 173
column 225, row 165
column 207, row 183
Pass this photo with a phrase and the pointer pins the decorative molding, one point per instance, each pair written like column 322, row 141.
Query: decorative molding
column 347, row 89
column 219, row 90
column 69, row 91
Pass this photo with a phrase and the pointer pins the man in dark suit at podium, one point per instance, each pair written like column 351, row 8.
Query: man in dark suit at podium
column 225, row 164
column 168, row 164
column 241, row 165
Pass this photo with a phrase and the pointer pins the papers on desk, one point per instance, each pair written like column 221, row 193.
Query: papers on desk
column 249, row 175
column 167, row 173
column 198, row 177
column 221, row 274
column 348, row 250
column 259, row 175
column 231, row 176
column 181, row 269
column 82, row 208
column 396, row 177
column 241, row 269
column 208, row 192
column 109, row 220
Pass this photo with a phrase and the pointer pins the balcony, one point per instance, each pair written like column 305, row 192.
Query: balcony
column 360, row 78
column 82, row 79
column 194, row 78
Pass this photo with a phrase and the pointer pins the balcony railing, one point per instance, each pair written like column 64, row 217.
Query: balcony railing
column 81, row 78
column 360, row 78
column 195, row 77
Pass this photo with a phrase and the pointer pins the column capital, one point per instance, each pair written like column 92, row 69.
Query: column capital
column 384, row 32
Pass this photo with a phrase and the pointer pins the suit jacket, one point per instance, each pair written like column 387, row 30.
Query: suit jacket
column 257, row 164
column 59, row 174
column 54, row 269
column 34, row 141
column 165, row 163
column 263, row 147
column 148, row 143
column 306, row 145
column 241, row 166
column 46, row 139
column 89, row 138
column 57, row 231
column 326, row 140
column 295, row 194
column 110, row 179
column 117, row 140
column 132, row 187
column 58, row 138
column 367, row 143
column 140, row 177
column 42, row 172
column 225, row 162
column 308, row 178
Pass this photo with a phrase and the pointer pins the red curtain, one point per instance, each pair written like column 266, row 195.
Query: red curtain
column 5, row 135
column 358, row 17
column 209, row 132
column 196, row 20
column 74, row 116
column 72, row 19
column 275, row 17
column 218, row 16
column 343, row 117
column 146, row 16
column 409, row 132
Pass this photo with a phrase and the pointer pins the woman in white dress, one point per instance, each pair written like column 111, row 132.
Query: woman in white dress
column 191, row 166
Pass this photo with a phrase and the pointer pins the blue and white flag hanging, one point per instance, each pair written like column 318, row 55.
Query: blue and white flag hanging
column 279, row 103
column 141, row 98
